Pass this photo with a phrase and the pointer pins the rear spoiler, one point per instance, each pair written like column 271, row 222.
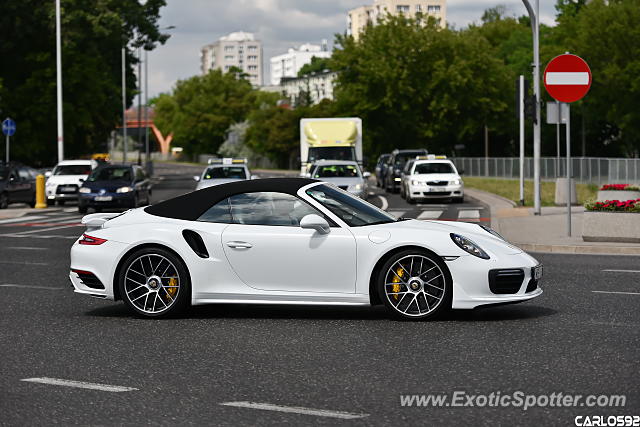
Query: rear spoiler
column 96, row 220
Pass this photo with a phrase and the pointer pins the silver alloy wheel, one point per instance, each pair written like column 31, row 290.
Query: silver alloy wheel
column 152, row 283
column 415, row 285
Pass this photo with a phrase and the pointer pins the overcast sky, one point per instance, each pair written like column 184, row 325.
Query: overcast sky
column 279, row 24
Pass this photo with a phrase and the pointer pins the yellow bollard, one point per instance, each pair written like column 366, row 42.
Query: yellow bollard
column 41, row 203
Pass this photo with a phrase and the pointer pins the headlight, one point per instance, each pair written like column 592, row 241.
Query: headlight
column 492, row 232
column 397, row 179
column 124, row 190
column 469, row 246
column 456, row 182
column 84, row 190
column 355, row 187
column 50, row 184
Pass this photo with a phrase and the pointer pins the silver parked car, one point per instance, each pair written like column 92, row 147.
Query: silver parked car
column 346, row 175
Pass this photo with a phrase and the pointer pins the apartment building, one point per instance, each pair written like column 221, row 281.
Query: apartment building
column 239, row 49
column 288, row 64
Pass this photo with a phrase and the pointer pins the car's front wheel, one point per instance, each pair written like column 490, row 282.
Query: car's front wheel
column 154, row 282
column 415, row 285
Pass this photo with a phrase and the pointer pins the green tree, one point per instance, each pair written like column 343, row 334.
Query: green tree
column 93, row 34
column 316, row 65
column 201, row 109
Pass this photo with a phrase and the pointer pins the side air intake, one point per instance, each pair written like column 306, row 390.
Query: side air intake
column 194, row 240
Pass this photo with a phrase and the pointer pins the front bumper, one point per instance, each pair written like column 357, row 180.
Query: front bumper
column 472, row 285
column 118, row 200
column 54, row 193
column 433, row 191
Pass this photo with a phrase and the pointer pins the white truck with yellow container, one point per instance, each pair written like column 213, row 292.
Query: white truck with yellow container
column 336, row 138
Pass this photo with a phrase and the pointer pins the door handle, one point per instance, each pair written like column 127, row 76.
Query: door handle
column 239, row 245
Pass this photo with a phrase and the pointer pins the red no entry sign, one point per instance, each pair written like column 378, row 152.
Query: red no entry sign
column 567, row 78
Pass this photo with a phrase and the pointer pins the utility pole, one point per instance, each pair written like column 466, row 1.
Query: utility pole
column 139, row 104
column 535, row 29
column 486, row 150
column 146, row 113
column 59, row 84
column 124, row 105
column 558, row 140
column 521, row 95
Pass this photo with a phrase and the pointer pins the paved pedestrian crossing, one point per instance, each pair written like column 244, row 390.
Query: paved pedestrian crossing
column 469, row 214
column 56, row 224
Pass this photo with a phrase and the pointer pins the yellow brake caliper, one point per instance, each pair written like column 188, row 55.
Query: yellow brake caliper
column 396, row 282
column 172, row 289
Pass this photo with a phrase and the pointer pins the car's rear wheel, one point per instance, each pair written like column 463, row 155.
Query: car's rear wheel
column 415, row 285
column 154, row 283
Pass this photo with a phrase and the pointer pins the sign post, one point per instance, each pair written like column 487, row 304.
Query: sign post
column 567, row 79
column 8, row 129
column 521, row 95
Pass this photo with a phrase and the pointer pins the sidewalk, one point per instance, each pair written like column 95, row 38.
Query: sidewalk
column 546, row 232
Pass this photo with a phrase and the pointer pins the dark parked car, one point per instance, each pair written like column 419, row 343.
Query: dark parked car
column 114, row 186
column 381, row 169
column 395, row 165
column 17, row 184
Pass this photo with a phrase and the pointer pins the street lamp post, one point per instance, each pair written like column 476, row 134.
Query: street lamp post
column 535, row 29
column 59, row 84
column 124, row 104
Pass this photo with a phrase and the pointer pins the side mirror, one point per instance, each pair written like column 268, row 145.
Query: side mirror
column 47, row 174
column 81, row 180
column 460, row 171
column 255, row 177
column 196, row 178
column 315, row 222
column 12, row 178
column 366, row 175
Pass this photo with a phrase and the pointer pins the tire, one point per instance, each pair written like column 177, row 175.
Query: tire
column 82, row 209
column 411, row 200
column 139, row 281
column 423, row 270
column 4, row 201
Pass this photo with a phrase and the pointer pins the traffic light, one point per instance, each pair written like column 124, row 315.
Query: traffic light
column 530, row 108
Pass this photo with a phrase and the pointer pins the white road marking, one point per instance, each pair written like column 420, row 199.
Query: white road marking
column 40, row 230
column 21, row 219
column 397, row 214
column 26, row 248
column 567, row 78
column 79, row 384
column 469, row 214
column 45, row 236
column 614, row 292
column 385, row 203
column 13, row 285
column 296, row 410
column 24, row 262
column 429, row 214
column 623, row 271
column 70, row 209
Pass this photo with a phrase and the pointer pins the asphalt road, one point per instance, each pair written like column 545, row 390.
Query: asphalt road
column 580, row 337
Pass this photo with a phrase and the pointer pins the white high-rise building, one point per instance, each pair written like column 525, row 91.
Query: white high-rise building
column 360, row 17
column 237, row 49
column 288, row 64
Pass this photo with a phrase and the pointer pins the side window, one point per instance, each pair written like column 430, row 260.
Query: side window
column 269, row 208
column 139, row 175
column 24, row 174
column 220, row 212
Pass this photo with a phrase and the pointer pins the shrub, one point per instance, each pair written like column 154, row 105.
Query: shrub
column 613, row 206
column 619, row 187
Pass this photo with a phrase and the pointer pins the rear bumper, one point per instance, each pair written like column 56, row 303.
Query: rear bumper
column 98, row 260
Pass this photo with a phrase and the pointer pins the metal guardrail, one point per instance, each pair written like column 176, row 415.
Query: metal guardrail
column 588, row 170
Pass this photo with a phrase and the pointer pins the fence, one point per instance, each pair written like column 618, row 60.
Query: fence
column 596, row 170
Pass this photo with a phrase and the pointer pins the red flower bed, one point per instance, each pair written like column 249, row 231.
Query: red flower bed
column 615, row 206
column 614, row 187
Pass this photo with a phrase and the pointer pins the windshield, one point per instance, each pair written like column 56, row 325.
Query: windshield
column 337, row 171
column 72, row 170
column 226, row 172
column 111, row 174
column 427, row 168
column 352, row 210
column 331, row 153
column 402, row 158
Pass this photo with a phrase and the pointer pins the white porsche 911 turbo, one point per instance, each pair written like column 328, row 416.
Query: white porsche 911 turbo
column 294, row 241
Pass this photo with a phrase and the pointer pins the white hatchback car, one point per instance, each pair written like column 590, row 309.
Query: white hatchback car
column 223, row 171
column 431, row 177
column 66, row 178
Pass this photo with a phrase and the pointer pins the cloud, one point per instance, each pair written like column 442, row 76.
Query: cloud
column 279, row 24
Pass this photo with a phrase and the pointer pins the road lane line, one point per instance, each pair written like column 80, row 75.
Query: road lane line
column 21, row 219
column 49, row 236
column 79, row 384
column 614, row 292
column 12, row 285
column 385, row 203
column 397, row 214
column 40, row 230
column 469, row 214
column 430, row 214
column 296, row 410
column 622, row 271
column 27, row 248
column 23, row 262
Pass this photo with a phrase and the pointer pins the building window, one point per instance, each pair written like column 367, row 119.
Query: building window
column 228, row 48
column 228, row 57
column 253, row 67
column 252, row 58
column 418, row 8
column 253, row 48
column 433, row 9
column 402, row 8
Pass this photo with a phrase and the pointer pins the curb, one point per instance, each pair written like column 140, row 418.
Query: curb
column 579, row 249
column 491, row 195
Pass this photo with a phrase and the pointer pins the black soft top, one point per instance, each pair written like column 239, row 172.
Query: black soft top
column 192, row 205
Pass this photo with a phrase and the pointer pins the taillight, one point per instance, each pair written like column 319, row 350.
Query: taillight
column 90, row 240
